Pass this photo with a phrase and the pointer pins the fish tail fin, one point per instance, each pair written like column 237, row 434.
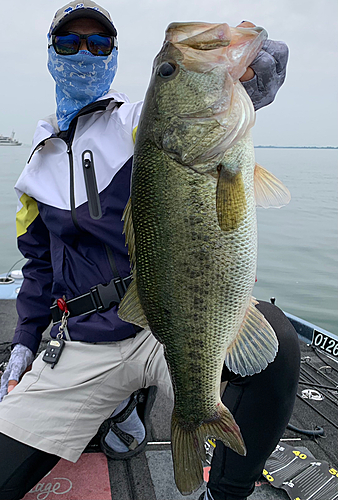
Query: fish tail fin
column 188, row 446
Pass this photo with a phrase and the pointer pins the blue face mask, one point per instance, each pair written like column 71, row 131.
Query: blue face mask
column 80, row 80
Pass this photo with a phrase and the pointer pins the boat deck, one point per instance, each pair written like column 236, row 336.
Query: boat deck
column 149, row 475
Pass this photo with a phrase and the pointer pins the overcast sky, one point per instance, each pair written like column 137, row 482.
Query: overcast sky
column 305, row 110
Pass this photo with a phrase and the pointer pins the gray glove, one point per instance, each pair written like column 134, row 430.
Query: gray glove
column 21, row 357
column 270, row 70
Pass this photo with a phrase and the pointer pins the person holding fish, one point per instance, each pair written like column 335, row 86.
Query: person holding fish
column 185, row 319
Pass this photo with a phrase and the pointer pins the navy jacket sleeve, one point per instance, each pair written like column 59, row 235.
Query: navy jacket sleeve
column 34, row 298
column 270, row 70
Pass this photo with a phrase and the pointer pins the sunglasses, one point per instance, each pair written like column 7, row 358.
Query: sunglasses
column 69, row 44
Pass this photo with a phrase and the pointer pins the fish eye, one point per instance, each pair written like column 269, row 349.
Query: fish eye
column 166, row 69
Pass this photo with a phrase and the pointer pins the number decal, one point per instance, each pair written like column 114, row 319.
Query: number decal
column 318, row 339
column 267, row 475
column 299, row 454
column 334, row 472
column 330, row 346
column 325, row 342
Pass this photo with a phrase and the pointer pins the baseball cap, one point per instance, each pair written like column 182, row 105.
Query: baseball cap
column 76, row 9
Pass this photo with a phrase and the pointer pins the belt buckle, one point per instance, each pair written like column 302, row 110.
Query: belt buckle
column 95, row 295
column 104, row 295
column 120, row 287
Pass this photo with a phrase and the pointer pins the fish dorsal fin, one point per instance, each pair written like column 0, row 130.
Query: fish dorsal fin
column 269, row 191
column 128, row 230
column 255, row 346
column 230, row 199
column 130, row 308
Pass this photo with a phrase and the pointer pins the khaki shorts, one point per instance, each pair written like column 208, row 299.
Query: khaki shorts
column 59, row 410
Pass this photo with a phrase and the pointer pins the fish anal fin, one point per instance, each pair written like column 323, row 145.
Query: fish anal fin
column 230, row 199
column 255, row 345
column 269, row 191
column 130, row 308
column 188, row 446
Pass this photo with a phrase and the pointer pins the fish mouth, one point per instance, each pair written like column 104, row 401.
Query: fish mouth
column 205, row 45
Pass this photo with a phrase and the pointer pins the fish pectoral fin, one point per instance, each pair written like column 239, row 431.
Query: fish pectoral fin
column 128, row 230
column 130, row 308
column 188, row 446
column 269, row 191
column 254, row 347
column 230, row 199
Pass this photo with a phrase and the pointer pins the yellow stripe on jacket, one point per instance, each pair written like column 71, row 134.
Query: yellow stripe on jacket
column 134, row 134
column 26, row 215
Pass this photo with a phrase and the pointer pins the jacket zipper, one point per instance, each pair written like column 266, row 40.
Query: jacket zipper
column 94, row 204
column 71, row 183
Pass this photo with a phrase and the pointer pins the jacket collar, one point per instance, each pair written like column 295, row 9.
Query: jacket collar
column 48, row 127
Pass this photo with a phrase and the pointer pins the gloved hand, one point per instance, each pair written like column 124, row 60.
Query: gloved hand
column 270, row 70
column 21, row 358
column 266, row 73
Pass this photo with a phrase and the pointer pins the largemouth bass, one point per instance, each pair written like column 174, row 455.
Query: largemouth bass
column 191, row 230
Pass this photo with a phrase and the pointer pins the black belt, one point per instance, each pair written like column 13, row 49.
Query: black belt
column 99, row 298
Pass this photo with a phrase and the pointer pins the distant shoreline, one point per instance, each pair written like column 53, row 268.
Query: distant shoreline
column 296, row 147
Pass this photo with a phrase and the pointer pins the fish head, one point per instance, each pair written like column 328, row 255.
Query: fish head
column 197, row 106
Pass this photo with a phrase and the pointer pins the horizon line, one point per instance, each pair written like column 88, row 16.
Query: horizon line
column 296, row 147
